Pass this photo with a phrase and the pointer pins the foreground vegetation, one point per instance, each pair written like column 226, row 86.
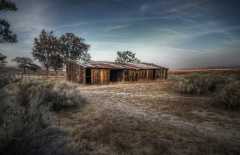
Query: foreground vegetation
column 54, row 117
column 149, row 118
column 225, row 90
column 26, row 113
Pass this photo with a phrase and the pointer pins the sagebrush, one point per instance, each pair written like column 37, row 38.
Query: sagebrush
column 200, row 83
column 228, row 97
column 56, row 96
column 25, row 118
column 224, row 90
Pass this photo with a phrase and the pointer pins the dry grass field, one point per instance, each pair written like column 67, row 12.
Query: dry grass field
column 142, row 118
column 149, row 118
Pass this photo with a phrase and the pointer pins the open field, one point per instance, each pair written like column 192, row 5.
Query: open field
column 149, row 118
column 218, row 71
column 132, row 118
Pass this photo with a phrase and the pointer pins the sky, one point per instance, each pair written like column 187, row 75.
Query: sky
column 172, row 33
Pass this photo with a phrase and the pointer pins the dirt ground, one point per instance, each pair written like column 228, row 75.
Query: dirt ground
column 149, row 118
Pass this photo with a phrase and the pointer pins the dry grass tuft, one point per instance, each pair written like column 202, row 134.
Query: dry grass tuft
column 56, row 96
column 228, row 97
column 110, row 134
column 224, row 90
column 7, row 78
column 200, row 83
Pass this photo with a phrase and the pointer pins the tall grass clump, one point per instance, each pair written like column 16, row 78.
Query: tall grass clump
column 228, row 97
column 56, row 96
column 199, row 84
column 25, row 119
column 64, row 95
column 224, row 90
column 7, row 78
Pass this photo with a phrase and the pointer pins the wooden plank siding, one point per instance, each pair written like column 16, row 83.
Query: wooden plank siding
column 136, row 75
column 77, row 73
column 100, row 76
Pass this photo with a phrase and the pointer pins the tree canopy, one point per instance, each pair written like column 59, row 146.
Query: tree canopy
column 46, row 50
column 54, row 52
column 126, row 57
column 6, row 35
column 74, row 48
column 56, row 61
column 7, row 5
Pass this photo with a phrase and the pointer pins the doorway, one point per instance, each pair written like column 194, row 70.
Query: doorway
column 116, row 75
column 154, row 74
column 88, row 76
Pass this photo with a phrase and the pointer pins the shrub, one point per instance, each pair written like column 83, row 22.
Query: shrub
column 199, row 84
column 25, row 128
column 25, row 120
column 56, row 96
column 7, row 78
column 229, row 96
column 64, row 95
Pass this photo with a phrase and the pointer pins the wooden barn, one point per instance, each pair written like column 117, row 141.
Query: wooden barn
column 106, row 72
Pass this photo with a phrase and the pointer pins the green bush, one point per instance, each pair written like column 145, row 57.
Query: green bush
column 229, row 96
column 199, row 84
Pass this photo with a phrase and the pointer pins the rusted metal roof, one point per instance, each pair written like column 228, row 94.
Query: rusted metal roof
column 113, row 65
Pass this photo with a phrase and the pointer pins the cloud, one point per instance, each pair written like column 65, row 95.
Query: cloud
column 26, row 22
column 144, row 7
column 171, row 8
column 116, row 27
column 30, row 19
column 73, row 25
column 187, row 6
column 172, row 33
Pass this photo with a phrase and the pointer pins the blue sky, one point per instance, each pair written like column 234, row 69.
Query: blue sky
column 173, row 33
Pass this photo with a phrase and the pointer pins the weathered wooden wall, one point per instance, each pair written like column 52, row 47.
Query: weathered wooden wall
column 100, row 76
column 161, row 73
column 143, row 74
column 130, row 75
column 76, row 73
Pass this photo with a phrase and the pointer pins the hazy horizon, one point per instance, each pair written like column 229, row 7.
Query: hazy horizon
column 172, row 33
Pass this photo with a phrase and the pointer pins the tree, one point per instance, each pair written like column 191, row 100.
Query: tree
column 6, row 35
column 23, row 62
column 2, row 60
column 46, row 50
column 73, row 48
column 126, row 57
column 56, row 62
column 85, row 58
column 56, row 58
column 7, row 5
